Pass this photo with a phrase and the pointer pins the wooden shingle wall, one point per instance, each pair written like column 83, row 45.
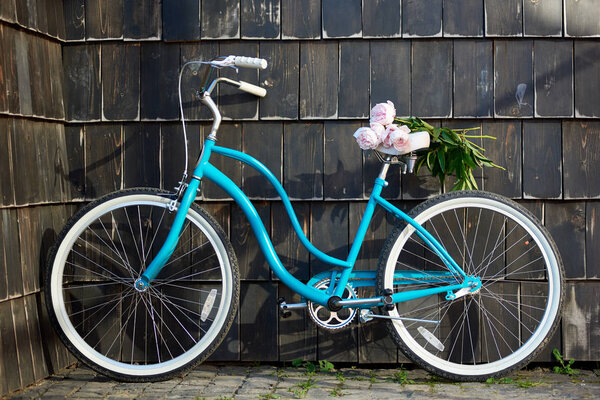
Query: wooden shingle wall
column 88, row 105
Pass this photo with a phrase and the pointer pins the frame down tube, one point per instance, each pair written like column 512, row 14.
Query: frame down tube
column 213, row 174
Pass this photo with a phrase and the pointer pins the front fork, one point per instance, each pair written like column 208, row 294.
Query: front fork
column 167, row 249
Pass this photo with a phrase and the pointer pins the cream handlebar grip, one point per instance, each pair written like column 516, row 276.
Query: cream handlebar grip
column 252, row 89
column 250, row 62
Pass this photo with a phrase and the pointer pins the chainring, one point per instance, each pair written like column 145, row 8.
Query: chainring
column 332, row 320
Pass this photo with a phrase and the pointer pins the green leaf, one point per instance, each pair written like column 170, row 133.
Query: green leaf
column 297, row 362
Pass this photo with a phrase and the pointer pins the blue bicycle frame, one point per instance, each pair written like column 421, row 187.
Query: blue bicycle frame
column 206, row 170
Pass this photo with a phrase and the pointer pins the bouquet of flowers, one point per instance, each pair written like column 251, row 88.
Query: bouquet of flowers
column 450, row 151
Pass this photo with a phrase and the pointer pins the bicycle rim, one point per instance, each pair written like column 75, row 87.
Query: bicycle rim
column 116, row 328
column 499, row 327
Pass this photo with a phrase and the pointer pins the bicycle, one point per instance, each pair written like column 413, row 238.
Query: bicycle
column 143, row 284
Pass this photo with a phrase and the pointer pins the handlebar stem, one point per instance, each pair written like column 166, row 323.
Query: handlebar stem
column 208, row 101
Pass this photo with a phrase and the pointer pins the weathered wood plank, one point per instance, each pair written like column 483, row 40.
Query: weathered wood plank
column 581, row 320
column 5, row 62
column 33, row 221
column 422, row 18
column 55, row 63
column 103, row 159
column 142, row 19
column 56, row 161
column 229, row 349
column 253, row 265
column 38, row 57
column 4, row 253
column 287, row 244
column 172, row 151
column 56, row 19
column 220, row 19
column 318, row 79
column 41, row 15
column 74, row 17
column 342, row 161
column 12, row 251
column 260, row 19
column 553, row 67
column 281, row 79
column 8, row 12
column 230, row 136
column 297, row 334
column 397, row 90
column 338, row 346
column 159, row 79
column 258, row 307
column 582, row 18
column 9, row 78
column 75, row 168
column 581, row 159
column 566, row 223
column 263, row 141
column 25, row 164
column 22, row 72
column 504, row 18
column 83, row 90
column 328, row 232
column 542, row 160
column 120, row 81
column 542, row 18
column 303, row 160
column 431, row 94
column 354, row 88
column 27, row 13
column 342, row 18
column 455, row 23
column 141, row 150
column 103, row 19
column 473, row 78
column 7, row 191
column 40, row 369
column 234, row 103
column 513, row 78
column 382, row 18
column 301, row 19
column 181, row 19
column 191, row 80
column 587, row 78
column 592, row 239
column 506, row 152
column 8, row 346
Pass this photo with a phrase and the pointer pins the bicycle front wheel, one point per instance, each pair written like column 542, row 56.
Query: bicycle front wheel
column 493, row 330
column 124, row 333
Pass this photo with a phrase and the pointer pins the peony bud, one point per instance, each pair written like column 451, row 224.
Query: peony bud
column 366, row 138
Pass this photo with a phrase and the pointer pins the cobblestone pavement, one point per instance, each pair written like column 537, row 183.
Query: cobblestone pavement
column 269, row 382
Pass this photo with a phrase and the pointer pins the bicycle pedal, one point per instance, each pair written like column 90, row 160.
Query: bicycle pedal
column 284, row 312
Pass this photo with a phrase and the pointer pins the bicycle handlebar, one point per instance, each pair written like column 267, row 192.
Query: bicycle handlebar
column 249, row 62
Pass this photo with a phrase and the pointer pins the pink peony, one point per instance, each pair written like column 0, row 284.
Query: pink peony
column 383, row 113
column 396, row 136
column 366, row 138
column 379, row 130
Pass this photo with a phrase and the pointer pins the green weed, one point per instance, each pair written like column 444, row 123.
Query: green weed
column 563, row 368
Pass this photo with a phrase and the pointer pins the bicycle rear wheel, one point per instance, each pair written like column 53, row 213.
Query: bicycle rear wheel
column 501, row 326
column 124, row 333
